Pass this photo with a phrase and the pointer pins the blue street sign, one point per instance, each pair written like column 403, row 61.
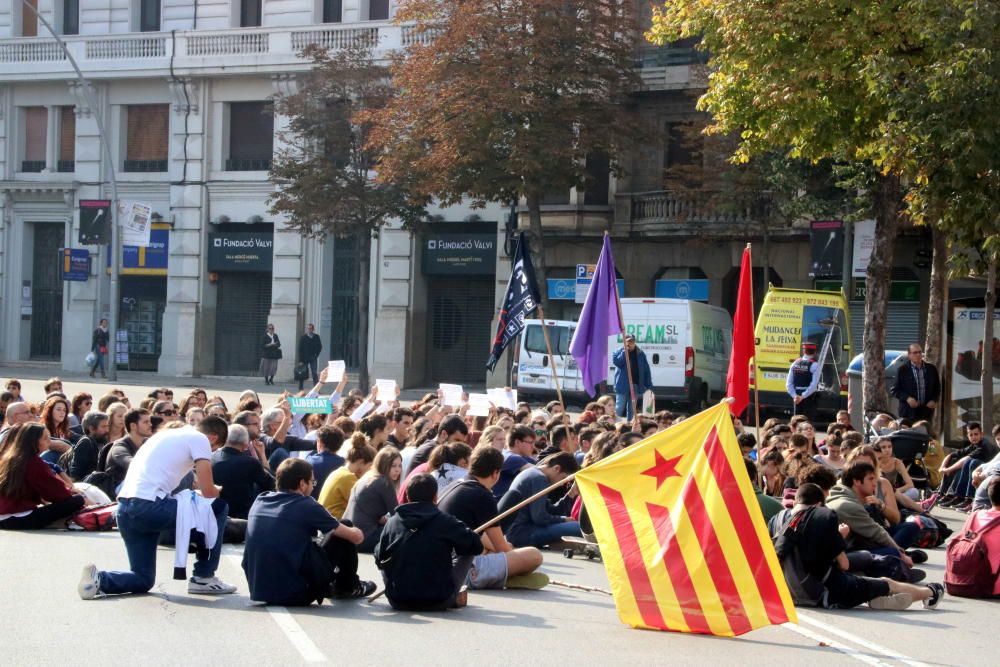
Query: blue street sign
column 75, row 264
column 564, row 289
column 692, row 290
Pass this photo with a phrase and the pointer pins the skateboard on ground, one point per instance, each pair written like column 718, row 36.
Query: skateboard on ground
column 581, row 546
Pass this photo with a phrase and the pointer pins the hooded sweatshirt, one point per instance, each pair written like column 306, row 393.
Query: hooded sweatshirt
column 865, row 532
column 414, row 553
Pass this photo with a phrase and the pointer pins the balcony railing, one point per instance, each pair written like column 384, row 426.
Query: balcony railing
column 238, row 164
column 144, row 166
column 66, row 166
column 32, row 166
column 696, row 207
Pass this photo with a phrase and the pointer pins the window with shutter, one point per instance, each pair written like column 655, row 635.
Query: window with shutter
column 251, row 136
column 378, row 10
column 147, row 137
column 250, row 12
column 71, row 17
column 36, row 121
column 67, row 140
column 29, row 19
column 332, row 11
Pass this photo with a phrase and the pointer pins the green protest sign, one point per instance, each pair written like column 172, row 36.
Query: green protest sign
column 306, row 406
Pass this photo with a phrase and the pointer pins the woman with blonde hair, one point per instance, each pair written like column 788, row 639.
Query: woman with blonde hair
column 374, row 496
column 494, row 436
column 116, row 421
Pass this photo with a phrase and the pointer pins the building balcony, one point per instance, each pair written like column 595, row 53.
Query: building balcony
column 259, row 164
column 191, row 52
column 683, row 212
column 32, row 166
column 672, row 68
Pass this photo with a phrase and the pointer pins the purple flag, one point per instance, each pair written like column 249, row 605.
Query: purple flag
column 598, row 321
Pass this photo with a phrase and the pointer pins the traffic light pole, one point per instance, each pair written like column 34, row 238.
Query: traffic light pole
column 116, row 255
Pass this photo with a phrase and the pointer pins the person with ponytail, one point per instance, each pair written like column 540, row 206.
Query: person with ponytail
column 31, row 495
column 336, row 490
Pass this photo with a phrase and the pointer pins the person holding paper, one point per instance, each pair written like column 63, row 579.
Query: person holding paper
column 310, row 345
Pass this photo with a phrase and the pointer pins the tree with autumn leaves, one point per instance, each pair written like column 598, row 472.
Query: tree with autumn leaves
column 848, row 81
column 505, row 100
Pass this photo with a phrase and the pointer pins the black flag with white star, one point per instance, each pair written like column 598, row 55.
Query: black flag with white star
column 520, row 301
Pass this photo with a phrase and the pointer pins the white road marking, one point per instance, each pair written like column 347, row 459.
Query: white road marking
column 854, row 639
column 837, row 646
column 284, row 619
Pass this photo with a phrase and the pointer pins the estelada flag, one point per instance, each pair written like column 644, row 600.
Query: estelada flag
column 738, row 376
column 681, row 534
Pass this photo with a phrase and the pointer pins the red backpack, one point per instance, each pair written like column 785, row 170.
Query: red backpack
column 968, row 573
column 101, row 517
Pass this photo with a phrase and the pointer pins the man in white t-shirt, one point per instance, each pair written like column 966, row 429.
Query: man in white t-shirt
column 146, row 508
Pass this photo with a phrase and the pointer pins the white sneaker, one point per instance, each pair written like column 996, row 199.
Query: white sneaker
column 893, row 602
column 212, row 586
column 90, row 585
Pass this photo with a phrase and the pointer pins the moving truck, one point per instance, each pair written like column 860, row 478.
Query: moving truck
column 687, row 344
column 788, row 318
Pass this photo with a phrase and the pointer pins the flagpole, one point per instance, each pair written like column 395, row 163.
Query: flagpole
column 552, row 359
column 756, row 383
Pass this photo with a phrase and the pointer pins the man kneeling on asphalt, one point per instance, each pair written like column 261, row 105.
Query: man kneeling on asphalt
column 284, row 566
column 813, row 555
column 415, row 552
column 471, row 501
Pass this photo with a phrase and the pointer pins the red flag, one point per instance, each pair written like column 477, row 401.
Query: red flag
column 738, row 377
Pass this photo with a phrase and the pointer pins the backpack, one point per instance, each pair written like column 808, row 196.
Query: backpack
column 807, row 589
column 968, row 573
column 103, row 481
column 98, row 518
column 933, row 533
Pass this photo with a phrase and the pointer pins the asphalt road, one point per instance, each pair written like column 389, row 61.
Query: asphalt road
column 46, row 623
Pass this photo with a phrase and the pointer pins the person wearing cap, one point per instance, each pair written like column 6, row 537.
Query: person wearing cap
column 803, row 381
column 642, row 378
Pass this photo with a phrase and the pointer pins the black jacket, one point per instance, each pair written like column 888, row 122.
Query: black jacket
column 84, row 459
column 268, row 351
column 310, row 347
column 242, row 479
column 98, row 339
column 415, row 555
column 906, row 387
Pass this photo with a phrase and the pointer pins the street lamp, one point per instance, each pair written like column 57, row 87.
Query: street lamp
column 115, row 238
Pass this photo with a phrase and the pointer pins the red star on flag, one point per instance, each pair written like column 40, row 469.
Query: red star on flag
column 663, row 469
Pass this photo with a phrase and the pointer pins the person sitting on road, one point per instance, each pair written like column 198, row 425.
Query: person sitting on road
column 325, row 459
column 146, row 508
column 121, row 452
column 519, row 456
column 449, row 463
column 834, row 457
column 893, row 470
column 55, row 417
column 241, row 477
column 471, row 501
column 87, row 449
column 815, row 535
column 415, row 553
column 374, row 496
column 32, row 496
column 283, row 565
column 857, row 487
column 452, row 429
column 768, row 506
column 956, row 470
column 772, row 479
column 991, row 538
column 336, row 490
column 541, row 522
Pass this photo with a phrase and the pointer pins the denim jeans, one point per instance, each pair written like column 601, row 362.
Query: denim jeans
column 312, row 370
column 140, row 523
column 961, row 483
column 99, row 361
column 537, row 536
column 623, row 406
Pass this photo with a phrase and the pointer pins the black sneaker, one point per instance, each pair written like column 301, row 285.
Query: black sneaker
column 937, row 592
column 917, row 556
column 362, row 590
column 916, row 576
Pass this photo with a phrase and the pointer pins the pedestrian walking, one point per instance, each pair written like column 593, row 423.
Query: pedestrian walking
column 310, row 345
column 99, row 346
column 270, row 352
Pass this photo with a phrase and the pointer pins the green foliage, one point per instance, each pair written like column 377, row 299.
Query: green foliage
column 325, row 173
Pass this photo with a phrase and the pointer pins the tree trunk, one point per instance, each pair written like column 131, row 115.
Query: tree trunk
column 888, row 199
column 364, row 290
column 537, row 245
column 936, row 301
column 986, row 418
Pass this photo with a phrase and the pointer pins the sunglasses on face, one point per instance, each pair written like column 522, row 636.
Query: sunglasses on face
column 168, row 413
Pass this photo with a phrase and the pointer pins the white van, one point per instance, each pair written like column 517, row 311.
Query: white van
column 687, row 345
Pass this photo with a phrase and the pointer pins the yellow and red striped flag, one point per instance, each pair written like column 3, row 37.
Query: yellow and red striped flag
column 682, row 535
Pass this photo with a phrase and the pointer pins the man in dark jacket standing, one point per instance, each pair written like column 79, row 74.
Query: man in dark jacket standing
column 310, row 345
column 415, row 551
column 99, row 346
column 917, row 386
column 642, row 377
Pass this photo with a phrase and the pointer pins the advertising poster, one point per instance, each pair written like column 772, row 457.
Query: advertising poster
column 134, row 218
column 967, row 364
column 864, row 242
